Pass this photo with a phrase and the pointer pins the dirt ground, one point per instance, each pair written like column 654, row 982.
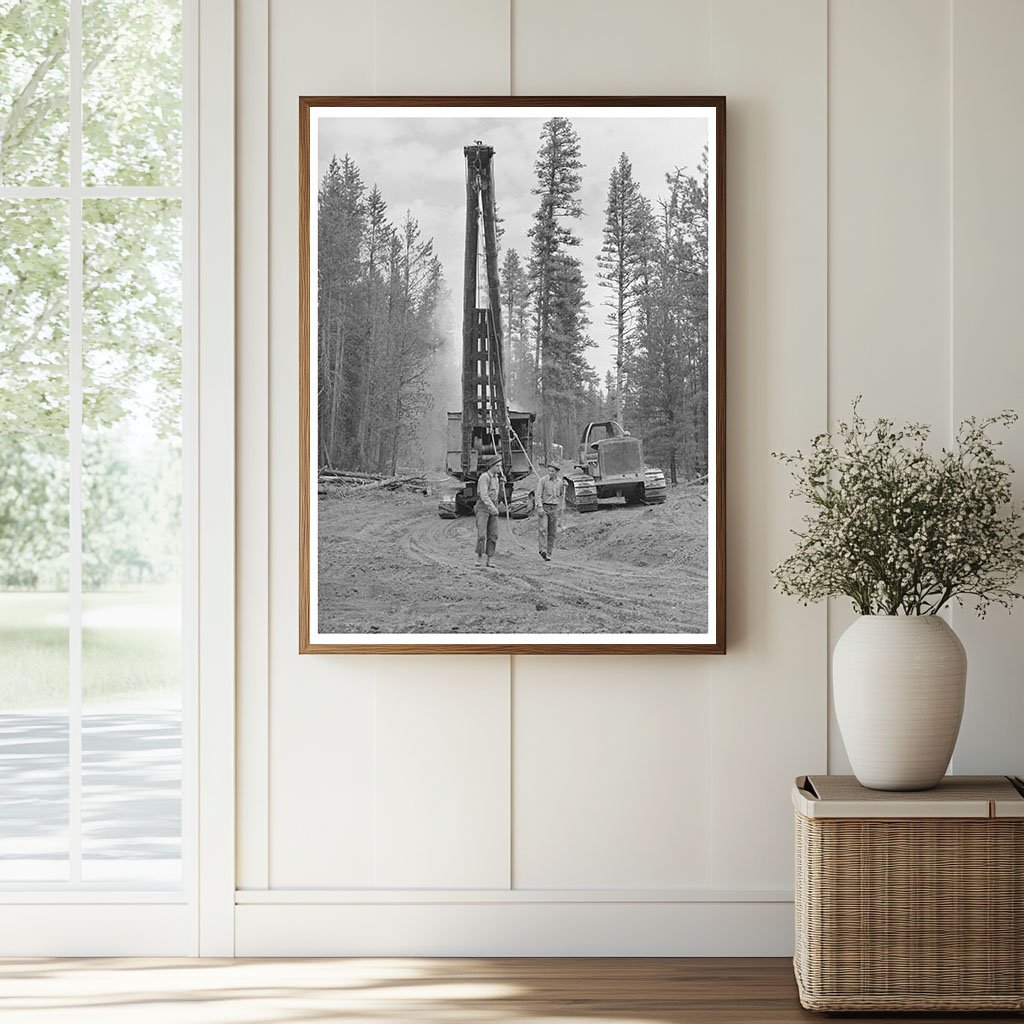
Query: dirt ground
column 389, row 564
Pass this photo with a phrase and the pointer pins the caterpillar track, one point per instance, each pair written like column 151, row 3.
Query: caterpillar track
column 655, row 490
column 581, row 492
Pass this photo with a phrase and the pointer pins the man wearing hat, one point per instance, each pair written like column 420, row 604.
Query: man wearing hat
column 550, row 505
column 488, row 489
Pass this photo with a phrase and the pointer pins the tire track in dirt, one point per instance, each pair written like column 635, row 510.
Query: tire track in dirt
column 388, row 563
column 450, row 544
column 601, row 587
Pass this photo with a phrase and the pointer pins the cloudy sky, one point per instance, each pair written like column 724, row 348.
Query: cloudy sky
column 419, row 165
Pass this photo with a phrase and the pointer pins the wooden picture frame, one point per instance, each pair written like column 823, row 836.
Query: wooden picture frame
column 355, row 496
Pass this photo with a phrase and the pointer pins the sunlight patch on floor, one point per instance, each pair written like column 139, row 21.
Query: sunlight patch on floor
column 359, row 991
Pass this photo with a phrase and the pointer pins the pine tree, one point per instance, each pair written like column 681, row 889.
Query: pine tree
column 521, row 382
column 608, row 396
column 557, row 169
column 671, row 364
column 417, row 276
column 340, row 223
column 619, row 268
column 377, row 243
column 379, row 342
column 568, row 375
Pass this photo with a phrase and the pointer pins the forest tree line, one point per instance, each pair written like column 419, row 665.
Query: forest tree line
column 380, row 290
column 382, row 348
column 653, row 269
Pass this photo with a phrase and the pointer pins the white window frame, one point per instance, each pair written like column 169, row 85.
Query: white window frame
column 76, row 918
column 215, row 276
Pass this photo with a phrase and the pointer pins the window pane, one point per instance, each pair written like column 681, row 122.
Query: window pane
column 33, row 540
column 33, row 92
column 131, row 92
column 131, row 541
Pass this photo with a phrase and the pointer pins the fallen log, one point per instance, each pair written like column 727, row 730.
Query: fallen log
column 393, row 482
column 345, row 474
column 336, row 485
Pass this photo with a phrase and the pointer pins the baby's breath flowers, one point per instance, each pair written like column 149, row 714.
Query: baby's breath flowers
column 897, row 529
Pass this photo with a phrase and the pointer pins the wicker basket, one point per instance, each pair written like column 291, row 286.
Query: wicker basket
column 910, row 901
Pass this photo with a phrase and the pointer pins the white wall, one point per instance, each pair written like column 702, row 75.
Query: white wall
column 542, row 805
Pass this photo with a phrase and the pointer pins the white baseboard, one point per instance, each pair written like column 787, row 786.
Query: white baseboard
column 514, row 928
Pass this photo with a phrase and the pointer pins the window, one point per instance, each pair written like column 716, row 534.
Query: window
column 95, row 477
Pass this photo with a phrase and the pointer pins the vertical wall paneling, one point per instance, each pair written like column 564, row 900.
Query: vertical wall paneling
column 323, row 760
column 252, row 589
column 321, row 708
column 611, row 755
column 769, row 692
column 443, row 48
column 216, row 300
column 442, row 767
column 889, row 219
column 607, row 48
column 612, row 782
column 872, row 248
column 889, row 255
column 325, row 711
column 442, row 774
column 988, row 332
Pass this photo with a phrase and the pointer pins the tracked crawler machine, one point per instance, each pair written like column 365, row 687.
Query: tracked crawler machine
column 610, row 463
column 485, row 426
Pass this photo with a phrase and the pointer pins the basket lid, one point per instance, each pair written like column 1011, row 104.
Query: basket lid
column 957, row 796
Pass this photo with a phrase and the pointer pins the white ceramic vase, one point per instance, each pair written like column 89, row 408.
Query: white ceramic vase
column 898, row 684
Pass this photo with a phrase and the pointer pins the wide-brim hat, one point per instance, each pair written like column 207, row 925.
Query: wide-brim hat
column 554, row 465
column 489, row 461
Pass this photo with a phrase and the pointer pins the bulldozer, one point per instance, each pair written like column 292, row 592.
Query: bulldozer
column 485, row 426
column 609, row 464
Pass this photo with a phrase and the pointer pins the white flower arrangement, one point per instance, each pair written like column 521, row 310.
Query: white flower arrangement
column 899, row 530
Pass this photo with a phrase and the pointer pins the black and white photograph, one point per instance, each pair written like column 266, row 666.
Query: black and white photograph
column 512, row 386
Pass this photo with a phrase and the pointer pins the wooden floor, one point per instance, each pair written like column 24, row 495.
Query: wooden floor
column 382, row 991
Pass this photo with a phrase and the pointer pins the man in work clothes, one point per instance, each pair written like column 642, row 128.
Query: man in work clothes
column 488, row 489
column 550, row 504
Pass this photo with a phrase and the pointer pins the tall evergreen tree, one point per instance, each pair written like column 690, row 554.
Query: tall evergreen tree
column 608, row 396
column 379, row 289
column 340, row 222
column 671, row 366
column 521, row 369
column 417, row 276
column 619, row 269
column 376, row 249
column 568, row 375
column 558, row 182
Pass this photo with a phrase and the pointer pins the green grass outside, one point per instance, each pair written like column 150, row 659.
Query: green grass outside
column 128, row 648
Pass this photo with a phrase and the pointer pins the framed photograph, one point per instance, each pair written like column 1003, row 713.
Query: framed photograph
column 512, row 374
